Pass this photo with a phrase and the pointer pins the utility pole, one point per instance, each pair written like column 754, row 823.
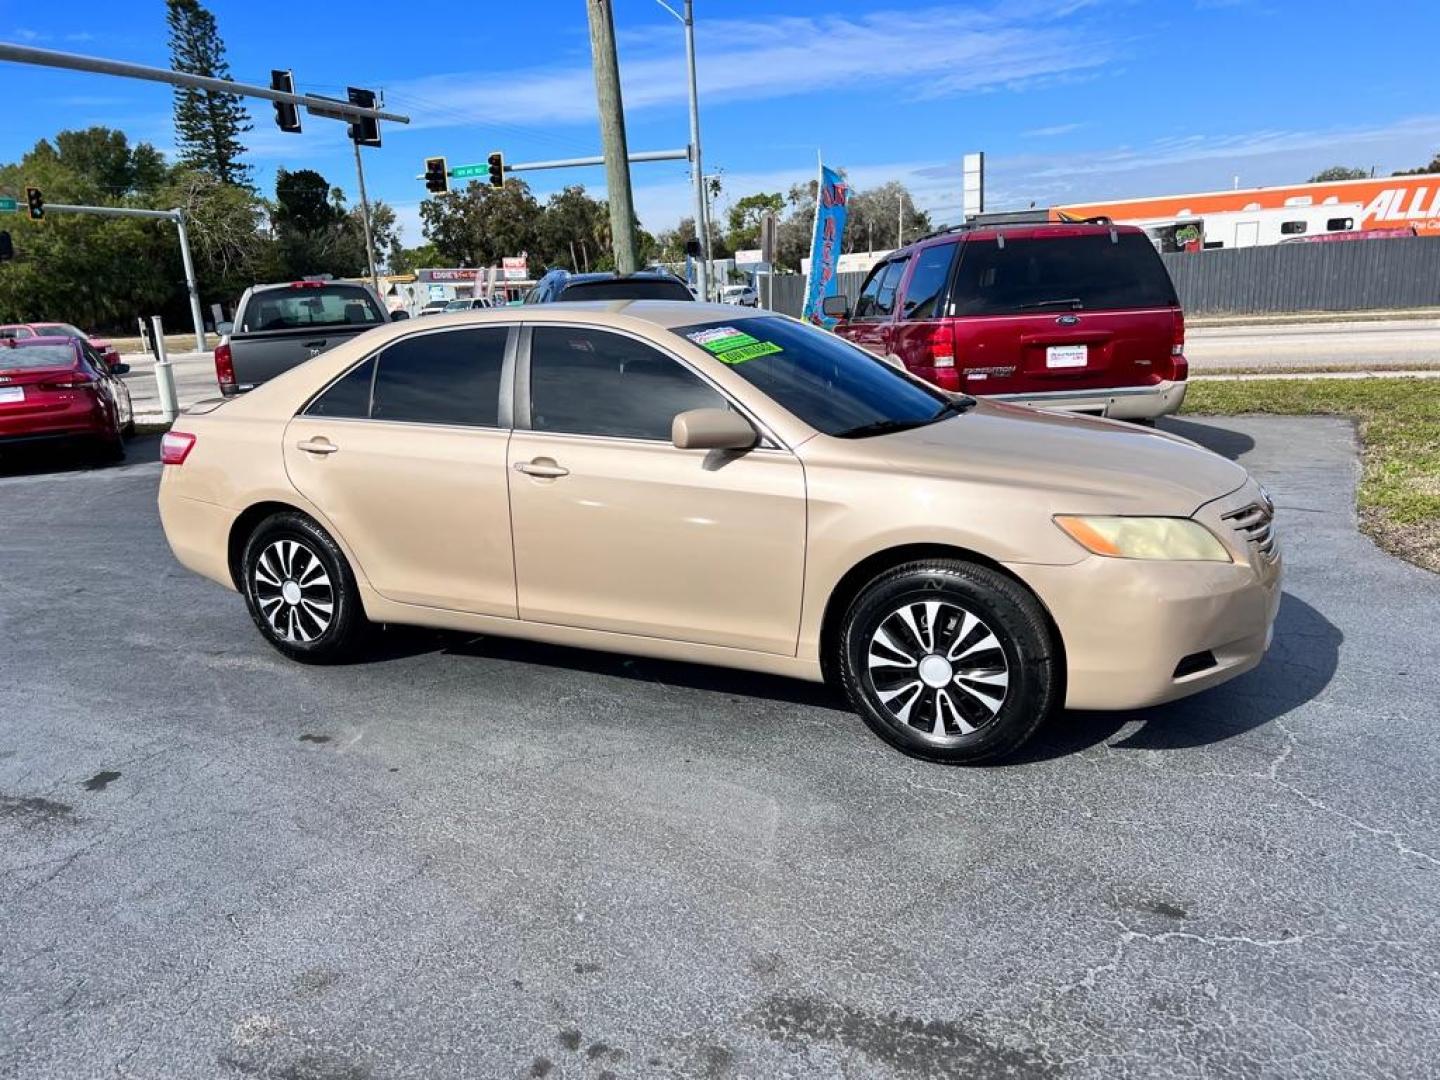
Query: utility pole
column 612, row 134
column 365, row 220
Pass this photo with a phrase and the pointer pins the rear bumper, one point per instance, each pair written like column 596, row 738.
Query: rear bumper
column 1120, row 402
column 198, row 533
column 80, row 417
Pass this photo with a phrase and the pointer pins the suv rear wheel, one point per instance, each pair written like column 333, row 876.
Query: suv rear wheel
column 948, row 661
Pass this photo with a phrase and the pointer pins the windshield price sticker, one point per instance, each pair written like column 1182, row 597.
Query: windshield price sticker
column 732, row 346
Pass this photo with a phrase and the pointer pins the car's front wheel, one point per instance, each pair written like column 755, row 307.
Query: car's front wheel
column 300, row 591
column 949, row 661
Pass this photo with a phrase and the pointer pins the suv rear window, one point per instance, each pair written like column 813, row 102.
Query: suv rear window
column 1088, row 272
column 300, row 307
column 653, row 289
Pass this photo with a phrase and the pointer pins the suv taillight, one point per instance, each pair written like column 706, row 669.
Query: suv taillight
column 941, row 348
column 175, row 447
column 224, row 367
column 1177, row 336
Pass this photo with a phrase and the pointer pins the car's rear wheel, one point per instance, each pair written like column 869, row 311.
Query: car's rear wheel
column 300, row 591
column 949, row 661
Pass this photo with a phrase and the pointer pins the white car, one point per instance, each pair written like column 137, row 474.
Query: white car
column 744, row 295
column 467, row 304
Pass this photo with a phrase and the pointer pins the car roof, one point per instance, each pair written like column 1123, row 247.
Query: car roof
column 47, row 339
column 610, row 275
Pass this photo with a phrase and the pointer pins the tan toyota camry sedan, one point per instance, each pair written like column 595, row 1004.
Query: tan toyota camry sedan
column 700, row 483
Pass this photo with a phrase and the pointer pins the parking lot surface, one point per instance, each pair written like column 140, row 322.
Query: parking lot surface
column 475, row 858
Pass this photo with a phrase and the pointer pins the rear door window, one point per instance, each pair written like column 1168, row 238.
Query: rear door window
column 348, row 397
column 925, row 295
column 1086, row 272
column 451, row 377
column 305, row 307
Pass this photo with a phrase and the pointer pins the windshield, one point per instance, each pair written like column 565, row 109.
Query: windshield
column 822, row 379
column 22, row 357
column 1089, row 272
column 300, row 307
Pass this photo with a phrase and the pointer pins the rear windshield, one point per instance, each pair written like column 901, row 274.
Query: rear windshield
column 23, row 357
column 58, row 330
column 818, row 377
column 655, row 289
column 1091, row 272
column 300, row 307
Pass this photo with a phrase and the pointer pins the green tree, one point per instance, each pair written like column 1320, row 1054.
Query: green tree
column 573, row 231
column 403, row 260
column 743, row 219
column 208, row 124
column 104, row 158
column 1433, row 167
column 874, row 217
column 1338, row 172
column 479, row 225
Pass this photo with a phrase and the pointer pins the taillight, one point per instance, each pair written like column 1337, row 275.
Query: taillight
column 175, row 447
column 941, row 348
column 1177, row 333
column 224, row 367
column 74, row 382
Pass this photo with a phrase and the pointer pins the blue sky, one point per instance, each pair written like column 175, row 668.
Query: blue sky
column 1070, row 99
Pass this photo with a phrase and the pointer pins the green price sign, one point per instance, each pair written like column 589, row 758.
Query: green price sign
column 8, row 205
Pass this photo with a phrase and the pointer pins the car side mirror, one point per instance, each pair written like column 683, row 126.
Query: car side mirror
column 399, row 316
column 223, row 328
column 712, row 429
column 119, row 368
column 836, row 307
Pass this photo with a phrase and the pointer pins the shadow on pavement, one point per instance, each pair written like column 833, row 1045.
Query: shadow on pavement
column 1213, row 436
column 40, row 459
column 667, row 672
column 1300, row 664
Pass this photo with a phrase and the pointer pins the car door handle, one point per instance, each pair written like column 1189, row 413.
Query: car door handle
column 317, row 445
column 542, row 467
column 315, row 344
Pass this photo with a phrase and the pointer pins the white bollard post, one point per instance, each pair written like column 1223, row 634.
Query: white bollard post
column 164, row 375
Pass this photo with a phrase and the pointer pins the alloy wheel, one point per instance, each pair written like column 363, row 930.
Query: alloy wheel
column 938, row 670
column 293, row 591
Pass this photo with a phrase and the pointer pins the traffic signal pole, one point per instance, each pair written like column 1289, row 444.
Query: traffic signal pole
column 365, row 219
column 178, row 217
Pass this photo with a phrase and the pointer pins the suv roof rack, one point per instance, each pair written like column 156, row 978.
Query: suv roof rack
column 1002, row 218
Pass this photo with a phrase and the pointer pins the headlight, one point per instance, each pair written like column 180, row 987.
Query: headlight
column 1144, row 538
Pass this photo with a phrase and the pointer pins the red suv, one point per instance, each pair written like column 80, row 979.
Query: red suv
column 1071, row 316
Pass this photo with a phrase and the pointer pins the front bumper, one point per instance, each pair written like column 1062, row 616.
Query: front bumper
column 1127, row 624
column 1119, row 403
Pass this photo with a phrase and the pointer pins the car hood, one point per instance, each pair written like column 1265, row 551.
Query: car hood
column 1087, row 465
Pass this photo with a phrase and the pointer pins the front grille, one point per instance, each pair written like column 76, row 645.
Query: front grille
column 1256, row 523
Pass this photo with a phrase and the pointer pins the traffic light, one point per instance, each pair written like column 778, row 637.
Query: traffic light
column 36, row 201
column 437, row 175
column 497, row 169
column 7, row 248
column 287, row 116
column 364, row 130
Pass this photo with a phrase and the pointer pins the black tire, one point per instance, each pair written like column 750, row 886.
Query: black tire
column 109, row 450
column 976, row 605
column 283, row 551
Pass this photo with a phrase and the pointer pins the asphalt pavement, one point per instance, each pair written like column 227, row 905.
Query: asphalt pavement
column 474, row 858
column 1359, row 346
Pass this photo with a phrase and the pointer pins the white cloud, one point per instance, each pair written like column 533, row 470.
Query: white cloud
column 1051, row 131
column 927, row 53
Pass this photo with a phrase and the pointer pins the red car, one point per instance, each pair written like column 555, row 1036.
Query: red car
column 58, row 388
column 1076, row 316
column 57, row 329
